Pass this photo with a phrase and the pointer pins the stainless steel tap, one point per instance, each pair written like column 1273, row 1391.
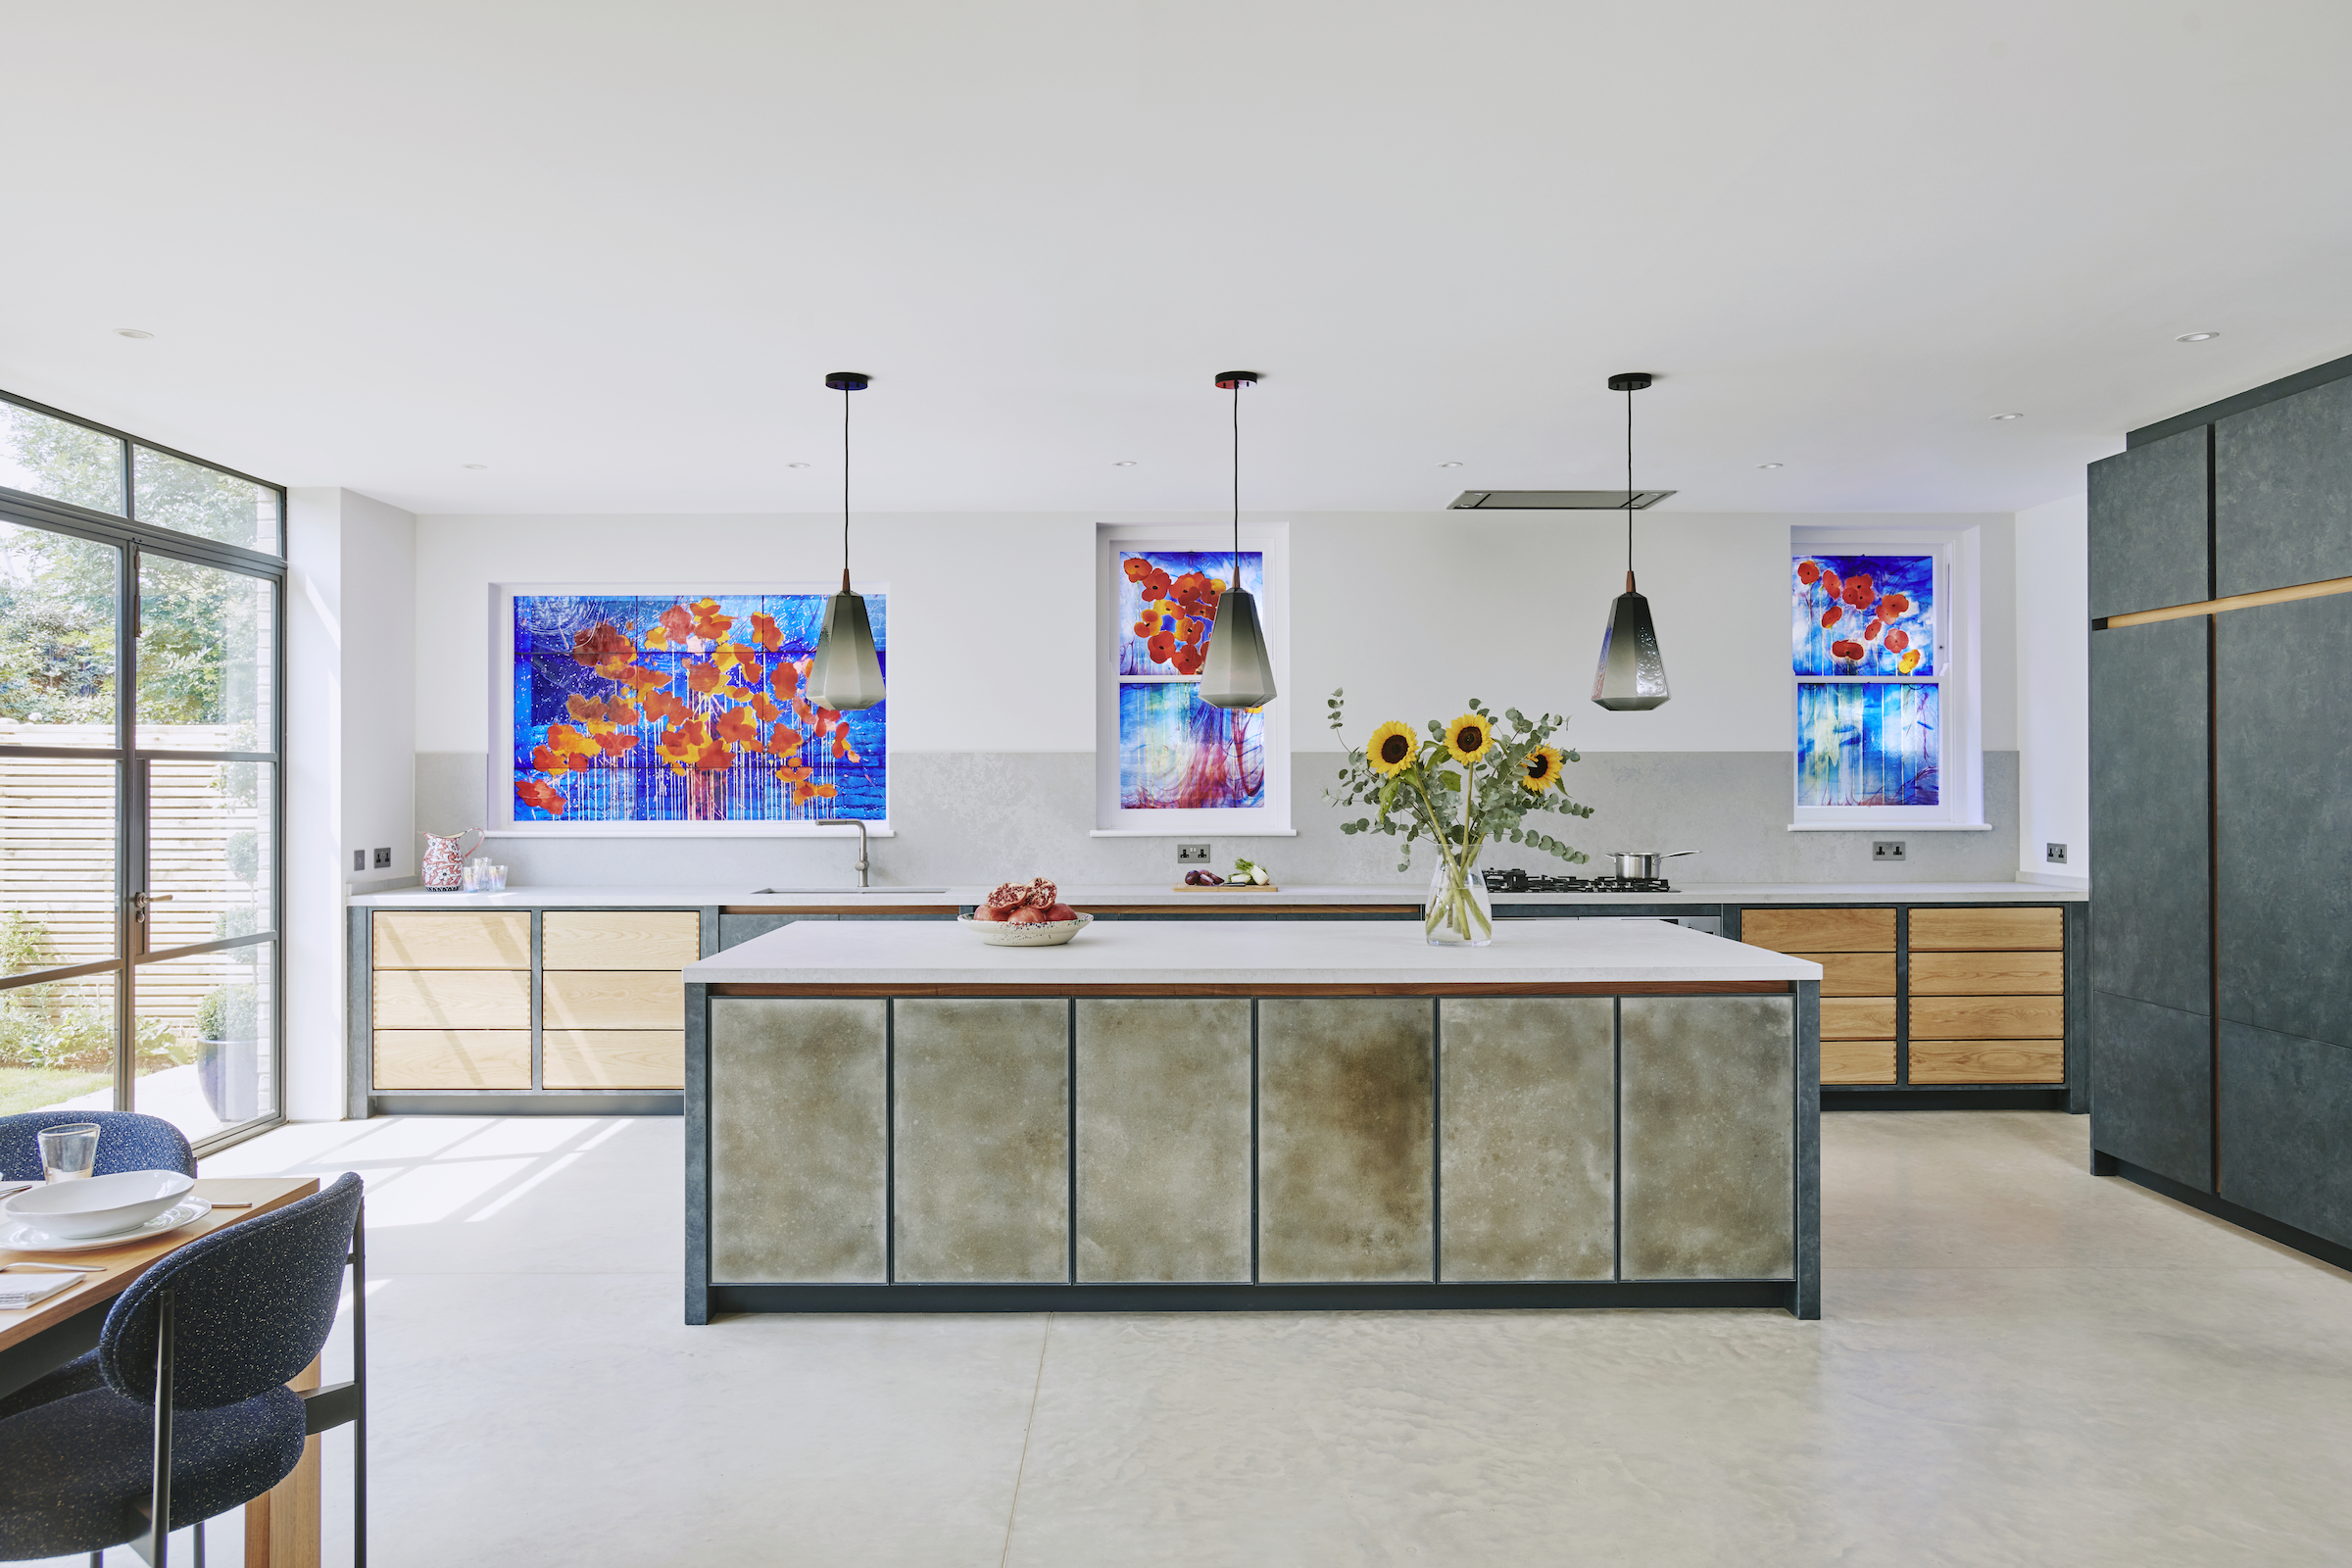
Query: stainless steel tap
column 851, row 821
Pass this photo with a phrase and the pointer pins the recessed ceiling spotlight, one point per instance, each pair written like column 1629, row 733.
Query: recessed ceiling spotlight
column 2000, row 416
column 2196, row 337
column 131, row 331
column 474, row 465
column 1448, row 465
column 1768, row 464
column 1125, row 463
column 796, row 465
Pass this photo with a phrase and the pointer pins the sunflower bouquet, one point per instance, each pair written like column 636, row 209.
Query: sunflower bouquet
column 1463, row 785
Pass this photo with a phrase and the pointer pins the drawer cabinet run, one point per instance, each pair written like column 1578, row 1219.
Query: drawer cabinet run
column 1932, row 996
column 527, row 1002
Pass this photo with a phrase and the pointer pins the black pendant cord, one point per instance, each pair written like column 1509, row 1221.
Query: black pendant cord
column 1236, row 483
column 1629, row 488
column 844, row 487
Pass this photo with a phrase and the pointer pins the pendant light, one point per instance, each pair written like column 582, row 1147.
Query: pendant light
column 1235, row 673
column 846, row 674
column 1631, row 674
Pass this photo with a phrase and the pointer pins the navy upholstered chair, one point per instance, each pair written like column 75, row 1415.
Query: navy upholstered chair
column 93, row 1456
column 126, row 1141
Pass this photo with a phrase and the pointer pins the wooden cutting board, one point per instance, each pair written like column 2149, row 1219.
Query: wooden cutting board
column 1226, row 887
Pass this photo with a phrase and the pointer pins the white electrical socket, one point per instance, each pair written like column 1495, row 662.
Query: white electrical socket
column 2055, row 853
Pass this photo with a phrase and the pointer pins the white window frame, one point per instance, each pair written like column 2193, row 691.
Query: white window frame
column 500, row 807
column 1958, row 668
column 1271, row 540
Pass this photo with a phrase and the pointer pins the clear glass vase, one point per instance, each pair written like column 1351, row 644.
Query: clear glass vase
column 1458, row 913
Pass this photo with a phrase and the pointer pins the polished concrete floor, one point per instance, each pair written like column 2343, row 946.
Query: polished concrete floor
column 2019, row 1363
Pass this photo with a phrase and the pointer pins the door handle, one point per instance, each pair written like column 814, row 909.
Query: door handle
column 140, row 901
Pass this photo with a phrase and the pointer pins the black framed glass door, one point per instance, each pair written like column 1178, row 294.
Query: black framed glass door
column 141, row 818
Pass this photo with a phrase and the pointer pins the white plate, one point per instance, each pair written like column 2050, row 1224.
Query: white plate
column 20, row 1236
column 1042, row 934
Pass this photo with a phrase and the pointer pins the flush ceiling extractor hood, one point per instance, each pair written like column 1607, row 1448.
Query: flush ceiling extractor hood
column 1555, row 500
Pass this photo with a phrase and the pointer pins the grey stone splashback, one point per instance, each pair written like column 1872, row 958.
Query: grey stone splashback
column 983, row 816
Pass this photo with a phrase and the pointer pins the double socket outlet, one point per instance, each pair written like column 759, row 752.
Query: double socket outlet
column 383, row 860
column 1192, row 854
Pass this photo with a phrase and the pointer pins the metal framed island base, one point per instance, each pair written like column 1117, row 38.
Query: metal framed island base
column 1219, row 1117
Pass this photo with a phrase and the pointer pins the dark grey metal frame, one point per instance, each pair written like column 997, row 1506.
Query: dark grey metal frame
column 705, row 1298
column 134, row 539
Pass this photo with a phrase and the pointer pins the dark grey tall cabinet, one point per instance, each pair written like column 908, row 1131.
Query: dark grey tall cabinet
column 2220, row 755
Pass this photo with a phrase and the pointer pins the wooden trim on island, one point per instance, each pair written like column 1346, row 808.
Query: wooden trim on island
column 841, row 909
column 1395, row 987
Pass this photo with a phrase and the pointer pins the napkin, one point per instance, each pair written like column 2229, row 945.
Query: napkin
column 20, row 1291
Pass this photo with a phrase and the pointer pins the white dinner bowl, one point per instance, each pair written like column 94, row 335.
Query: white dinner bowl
column 100, row 1206
column 1042, row 934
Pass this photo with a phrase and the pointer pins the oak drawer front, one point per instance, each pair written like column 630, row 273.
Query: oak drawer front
column 1961, row 930
column 1853, row 974
column 1988, row 1061
column 613, row 998
column 1987, row 1017
column 452, row 999
column 612, row 1058
column 619, row 939
column 1857, row 1018
column 1857, row 1062
column 1819, row 930
column 457, row 940
column 1986, row 974
column 453, row 1059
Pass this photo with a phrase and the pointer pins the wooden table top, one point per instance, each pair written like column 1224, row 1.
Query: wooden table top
column 126, row 1263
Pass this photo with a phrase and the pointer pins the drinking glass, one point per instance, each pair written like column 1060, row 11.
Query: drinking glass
column 69, row 1151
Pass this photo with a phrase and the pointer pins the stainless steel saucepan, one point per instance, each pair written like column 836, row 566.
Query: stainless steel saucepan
column 1642, row 866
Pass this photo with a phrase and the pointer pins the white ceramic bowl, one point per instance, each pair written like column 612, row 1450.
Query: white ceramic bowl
column 100, row 1206
column 1044, row 934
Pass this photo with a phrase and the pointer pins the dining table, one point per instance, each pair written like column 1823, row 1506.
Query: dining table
column 281, row 1526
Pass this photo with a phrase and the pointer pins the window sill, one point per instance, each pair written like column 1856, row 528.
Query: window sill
column 1192, row 832
column 1891, row 827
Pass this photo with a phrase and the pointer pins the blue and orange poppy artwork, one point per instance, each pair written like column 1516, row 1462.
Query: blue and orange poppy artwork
column 1168, row 604
column 686, row 709
column 1864, row 615
column 1866, row 742
column 1176, row 753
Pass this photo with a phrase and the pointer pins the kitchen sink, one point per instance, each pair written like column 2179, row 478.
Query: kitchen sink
column 830, row 891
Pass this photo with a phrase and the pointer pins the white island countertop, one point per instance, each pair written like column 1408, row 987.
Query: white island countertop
column 1241, row 953
column 1091, row 896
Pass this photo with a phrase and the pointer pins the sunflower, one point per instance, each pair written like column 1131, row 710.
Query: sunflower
column 1392, row 749
column 1543, row 770
column 1468, row 738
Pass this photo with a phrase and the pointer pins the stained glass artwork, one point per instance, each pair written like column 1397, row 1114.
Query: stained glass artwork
column 1864, row 615
column 1866, row 742
column 684, row 709
column 1168, row 604
column 1176, row 753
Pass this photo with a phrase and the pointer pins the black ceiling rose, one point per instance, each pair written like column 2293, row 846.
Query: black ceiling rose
column 849, row 382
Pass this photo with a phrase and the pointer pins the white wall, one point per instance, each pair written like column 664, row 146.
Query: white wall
column 1411, row 612
column 351, row 741
column 2052, row 596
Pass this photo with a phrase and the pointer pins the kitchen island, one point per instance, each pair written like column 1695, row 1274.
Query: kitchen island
column 1242, row 1116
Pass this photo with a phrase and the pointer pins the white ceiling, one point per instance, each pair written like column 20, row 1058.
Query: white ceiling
column 610, row 250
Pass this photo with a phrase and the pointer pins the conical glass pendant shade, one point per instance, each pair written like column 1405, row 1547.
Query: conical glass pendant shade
column 846, row 674
column 1237, row 673
column 1632, row 675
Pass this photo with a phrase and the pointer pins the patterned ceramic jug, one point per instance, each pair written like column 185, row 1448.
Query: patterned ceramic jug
column 444, row 859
